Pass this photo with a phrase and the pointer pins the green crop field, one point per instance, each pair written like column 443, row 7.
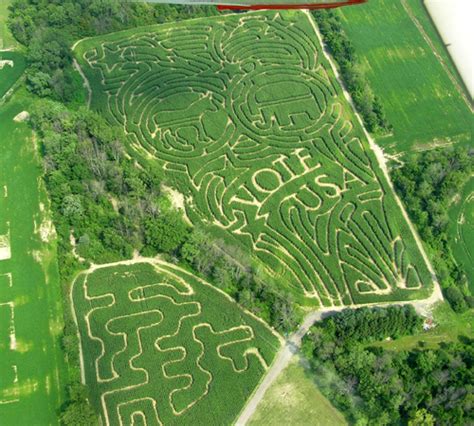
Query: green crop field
column 31, row 362
column 410, row 71
column 12, row 65
column 6, row 39
column 462, row 228
column 249, row 122
column 161, row 346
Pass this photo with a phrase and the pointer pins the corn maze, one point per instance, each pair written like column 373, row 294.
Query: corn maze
column 250, row 124
column 162, row 347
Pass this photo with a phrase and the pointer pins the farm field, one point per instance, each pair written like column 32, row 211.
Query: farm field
column 462, row 229
column 6, row 39
column 264, row 147
column 161, row 346
column 420, row 96
column 10, row 74
column 295, row 400
column 31, row 363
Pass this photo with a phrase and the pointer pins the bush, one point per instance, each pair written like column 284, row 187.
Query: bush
column 165, row 233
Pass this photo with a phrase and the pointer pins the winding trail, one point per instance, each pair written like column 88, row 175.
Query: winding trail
column 86, row 82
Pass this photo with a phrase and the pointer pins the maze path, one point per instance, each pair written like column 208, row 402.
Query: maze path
column 247, row 118
column 160, row 346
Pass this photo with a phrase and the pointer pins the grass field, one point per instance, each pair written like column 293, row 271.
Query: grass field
column 265, row 148
column 421, row 100
column 462, row 229
column 6, row 39
column 295, row 400
column 31, row 362
column 10, row 74
column 449, row 327
column 162, row 347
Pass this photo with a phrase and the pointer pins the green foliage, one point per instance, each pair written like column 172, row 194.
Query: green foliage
column 166, row 233
column 78, row 411
column 376, row 386
column 98, row 195
column 165, row 343
column 284, row 172
column 343, row 51
column 427, row 183
column 48, row 27
column 231, row 270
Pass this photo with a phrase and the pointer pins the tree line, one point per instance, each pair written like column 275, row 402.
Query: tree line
column 428, row 182
column 352, row 73
column 375, row 386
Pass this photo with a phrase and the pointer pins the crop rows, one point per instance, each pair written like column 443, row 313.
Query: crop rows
column 248, row 120
column 162, row 347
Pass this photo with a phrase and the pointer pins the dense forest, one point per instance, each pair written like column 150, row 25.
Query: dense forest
column 428, row 183
column 371, row 385
column 352, row 73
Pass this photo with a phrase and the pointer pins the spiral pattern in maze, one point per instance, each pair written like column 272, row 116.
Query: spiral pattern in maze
column 247, row 118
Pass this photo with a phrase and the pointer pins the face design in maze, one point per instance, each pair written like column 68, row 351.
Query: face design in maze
column 246, row 116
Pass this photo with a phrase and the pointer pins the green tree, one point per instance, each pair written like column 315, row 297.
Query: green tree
column 166, row 233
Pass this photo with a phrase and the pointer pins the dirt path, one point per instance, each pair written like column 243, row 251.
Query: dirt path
column 293, row 344
column 86, row 82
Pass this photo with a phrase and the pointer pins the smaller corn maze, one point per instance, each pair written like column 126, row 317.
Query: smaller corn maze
column 161, row 346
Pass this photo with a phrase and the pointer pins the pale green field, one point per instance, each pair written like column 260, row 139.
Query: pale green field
column 32, row 370
column 294, row 400
column 419, row 94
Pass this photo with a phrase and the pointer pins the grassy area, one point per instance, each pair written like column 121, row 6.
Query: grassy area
column 294, row 399
column 157, row 340
column 10, row 74
column 461, row 217
column 280, row 166
column 32, row 367
column 449, row 327
column 6, row 39
column 421, row 101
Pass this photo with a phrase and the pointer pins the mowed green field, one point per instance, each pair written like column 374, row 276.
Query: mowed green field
column 293, row 399
column 422, row 101
column 31, row 362
column 10, row 74
column 163, row 347
column 265, row 148
column 6, row 39
column 462, row 230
